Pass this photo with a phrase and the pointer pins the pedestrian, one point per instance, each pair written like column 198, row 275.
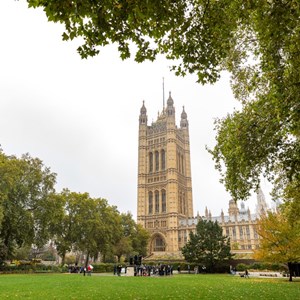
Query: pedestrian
column 246, row 274
column 89, row 269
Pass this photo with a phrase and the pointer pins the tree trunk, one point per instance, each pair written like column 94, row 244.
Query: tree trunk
column 87, row 259
column 63, row 256
column 290, row 271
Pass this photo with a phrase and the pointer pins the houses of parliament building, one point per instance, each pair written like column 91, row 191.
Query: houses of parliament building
column 165, row 201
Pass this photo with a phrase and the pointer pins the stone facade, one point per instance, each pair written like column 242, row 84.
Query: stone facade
column 165, row 202
column 164, row 178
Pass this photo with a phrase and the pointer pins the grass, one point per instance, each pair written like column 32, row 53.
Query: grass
column 75, row 286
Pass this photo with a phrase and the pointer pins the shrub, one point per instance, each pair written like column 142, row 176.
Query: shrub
column 241, row 267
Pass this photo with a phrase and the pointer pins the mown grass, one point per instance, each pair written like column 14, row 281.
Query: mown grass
column 75, row 286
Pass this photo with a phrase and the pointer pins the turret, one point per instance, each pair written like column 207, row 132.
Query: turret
column 184, row 122
column 143, row 114
column 170, row 106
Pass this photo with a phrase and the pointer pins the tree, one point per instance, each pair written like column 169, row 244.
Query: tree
column 133, row 238
column 26, row 186
column 207, row 246
column 257, row 41
column 280, row 240
column 84, row 224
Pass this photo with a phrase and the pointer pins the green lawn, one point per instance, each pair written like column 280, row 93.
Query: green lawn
column 75, row 286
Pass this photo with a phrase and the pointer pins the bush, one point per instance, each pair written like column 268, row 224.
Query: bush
column 242, row 267
column 28, row 267
column 103, row 268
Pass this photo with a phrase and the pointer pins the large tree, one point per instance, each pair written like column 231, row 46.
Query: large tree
column 84, row 224
column 279, row 239
column 207, row 246
column 26, row 186
column 258, row 41
column 133, row 238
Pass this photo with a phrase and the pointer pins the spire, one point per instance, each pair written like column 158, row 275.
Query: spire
column 170, row 107
column 184, row 122
column 222, row 215
column 143, row 114
column 170, row 101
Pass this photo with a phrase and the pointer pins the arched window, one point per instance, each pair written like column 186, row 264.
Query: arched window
column 180, row 203
column 158, row 244
column 156, row 161
column 156, row 202
column 184, row 210
column 150, row 162
column 150, row 203
column 163, row 201
column 178, row 162
column 182, row 164
column 163, row 159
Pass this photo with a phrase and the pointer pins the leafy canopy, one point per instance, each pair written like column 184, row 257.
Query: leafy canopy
column 257, row 41
column 26, row 186
column 279, row 239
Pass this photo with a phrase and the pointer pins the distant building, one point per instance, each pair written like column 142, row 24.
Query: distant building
column 240, row 225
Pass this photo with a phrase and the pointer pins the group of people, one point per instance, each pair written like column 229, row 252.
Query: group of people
column 82, row 270
column 118, row 270
column 157, row 270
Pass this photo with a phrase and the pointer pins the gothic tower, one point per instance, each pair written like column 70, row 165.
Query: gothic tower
column 164, row 178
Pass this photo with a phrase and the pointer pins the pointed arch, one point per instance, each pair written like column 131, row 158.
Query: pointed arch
column 163, row 159
column 163, row 201
column 158, row 243
column 156, row 202
column 156, row 161
column 150, row 162
column 150, row 203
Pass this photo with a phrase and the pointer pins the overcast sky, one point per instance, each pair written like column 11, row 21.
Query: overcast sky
column 81, row 116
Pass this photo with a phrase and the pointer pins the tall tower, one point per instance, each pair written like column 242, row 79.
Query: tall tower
column 164, row 178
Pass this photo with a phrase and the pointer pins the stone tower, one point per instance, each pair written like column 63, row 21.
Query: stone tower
column 164, row 178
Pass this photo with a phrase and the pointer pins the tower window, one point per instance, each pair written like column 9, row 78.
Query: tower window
column 156, row 202
column 150, row 204
column 163, row 201
column 163, row 159
column 159, row 244
column 150, row 162
column 156, row 161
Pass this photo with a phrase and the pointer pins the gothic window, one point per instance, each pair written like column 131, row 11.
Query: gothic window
column 233, row 233
column 163, row 159
column 227, row 231
column 241, row 232
column 182, row 168
column 156, row 161
column 178, row 162
column 150, row 162
column 180, row 204
column 183, row 204
column 156, row 202
column 159, row 244
column 248, row 232
column 163, row 201
column 150, row 204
